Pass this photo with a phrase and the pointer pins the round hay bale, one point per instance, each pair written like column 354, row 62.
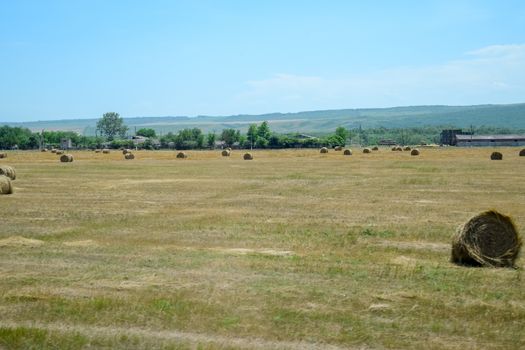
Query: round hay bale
column 8, row 171
column 226, row 153
column 394, row 148
column 3, row 155
column 407, row 148
column 248, row 156
column 496, row 156
column 66, row 158
column 488, row 239
column 129, row 155
column 182, row 155
column 5, row 185
column 399, row 148
column 414, row 152
column 53, row 150
column 105, row 151
column 375, row 148
column 43, row 150
column 98, row 151
column 323, row 150
column 59, row 152
column 347, row 152
column 338, row 148
column 367, row 150
column 126, row 151
column 229, row 149
column 522, row 153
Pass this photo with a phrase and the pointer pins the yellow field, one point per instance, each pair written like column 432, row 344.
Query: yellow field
column 293, row 250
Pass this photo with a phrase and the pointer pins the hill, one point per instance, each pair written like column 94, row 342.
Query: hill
column 318, row 122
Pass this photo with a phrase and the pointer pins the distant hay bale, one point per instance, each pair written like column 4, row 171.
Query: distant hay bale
column 182, row 155
column 98, row 151
column 53, row 150
column 248, row 156
column 8, row 171
column 375, row 148
column 522, row 153
column 399, row 148
column 414, row 152
column 43, row 150
column 105, row 151
column 338, row 148
column 229, row 149
column 66, row 158
column 347, row 152
column 367, row 150
column 394, row 148
column 3, row 155
column 488, row 239
column 323, row 150
column 59, row 152
column 126, row 151
column 226, row 153
column 407, row 148
column 496, row 156
column 5, row 185
column 129, row 155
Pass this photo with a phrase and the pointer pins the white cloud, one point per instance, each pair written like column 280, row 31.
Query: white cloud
column 493, row 74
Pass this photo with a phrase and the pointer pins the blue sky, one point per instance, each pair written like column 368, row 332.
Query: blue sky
column 79, row 59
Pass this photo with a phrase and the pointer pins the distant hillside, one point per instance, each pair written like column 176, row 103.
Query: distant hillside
column 318, row 122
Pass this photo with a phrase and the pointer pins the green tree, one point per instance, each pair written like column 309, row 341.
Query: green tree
column 146, row 132
column 111, row 125
column 264, row 130
column 342, row 133
column 230, row 136
column 252, row 134
column 210, row 139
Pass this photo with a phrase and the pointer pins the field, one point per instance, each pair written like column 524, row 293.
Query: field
column 292, row 250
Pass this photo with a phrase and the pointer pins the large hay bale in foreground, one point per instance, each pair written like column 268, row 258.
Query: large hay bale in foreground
column 8, row 171
column 105, row 151
column 182, row 155
column 522, row 153
column 347, row 152
column 226, row 153
column 414, row 152
column 323, row 150
column 488, row 239
column 367, row 150
column 248, row 156
column 5, row 185
column 496, row 156
column 3, row 155
column 129, row 156
column 375, row 148
column 66, row 158
column 407, row 148
column 338, row 148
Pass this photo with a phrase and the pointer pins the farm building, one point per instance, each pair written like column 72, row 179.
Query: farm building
column 66, row 143
column 448, row 137
column 387, row 142
column 489, row 140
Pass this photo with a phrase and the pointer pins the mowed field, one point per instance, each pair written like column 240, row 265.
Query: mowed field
column 292, row 250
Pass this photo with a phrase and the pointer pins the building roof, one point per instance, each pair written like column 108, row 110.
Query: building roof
column 490, row 137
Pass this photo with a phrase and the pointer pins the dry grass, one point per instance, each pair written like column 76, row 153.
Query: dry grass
column 283, row 252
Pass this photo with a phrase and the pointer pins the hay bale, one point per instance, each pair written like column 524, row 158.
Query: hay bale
column 323, row 150
column 126, row 151
column 522, row 153
column 399, row 148
column 43, row 150
column 226, row 153
column 496, row 156
column 375, row 148
column 59, row 152
column 8, row 171
column 3, row 155
column 338, row 148
column 488, row 239
column 229, row 149
column 347, row 152
column 414, row 152
column 248, row 156
column 5, row 185
column 367, row 150
column 129, row 155
column 394, row 148
column 53, row 150
column 66, row 158
column 105, row 151
column 182, row 155
column 407, row 148
column 98, row 151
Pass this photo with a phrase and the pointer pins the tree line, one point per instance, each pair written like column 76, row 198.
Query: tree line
column 111, row 133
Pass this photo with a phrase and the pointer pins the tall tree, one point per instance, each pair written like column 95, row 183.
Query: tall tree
column 342, row 133
column 146, row 132
column 264, row 130
column 210, row 139
column 111, row 125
